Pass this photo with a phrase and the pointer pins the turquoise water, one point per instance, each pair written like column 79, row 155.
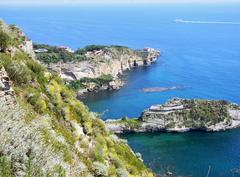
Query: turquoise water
column 203, row 58
column 190, row 154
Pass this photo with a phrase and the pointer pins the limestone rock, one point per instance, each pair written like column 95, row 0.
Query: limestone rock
column 104, row 63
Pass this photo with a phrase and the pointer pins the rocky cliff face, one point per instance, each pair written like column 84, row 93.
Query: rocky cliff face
column 46, row 131
column 182, row 115
column 107, row 61
column 19, row 40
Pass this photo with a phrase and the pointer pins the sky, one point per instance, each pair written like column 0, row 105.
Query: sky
column 63, row 2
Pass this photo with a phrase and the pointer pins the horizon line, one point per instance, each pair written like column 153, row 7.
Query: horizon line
column 115, row 3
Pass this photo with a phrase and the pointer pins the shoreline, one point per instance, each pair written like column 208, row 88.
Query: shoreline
column 95, row 67
column 121, row 82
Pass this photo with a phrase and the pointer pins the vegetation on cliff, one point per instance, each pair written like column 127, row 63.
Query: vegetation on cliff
column 5, row 41
column 205, row 111
column 82, row 83
column 182, row 115
column 10, row 35
column 54, row 54
column 73, row 133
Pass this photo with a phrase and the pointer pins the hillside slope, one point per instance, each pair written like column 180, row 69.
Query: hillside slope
column 45, row 130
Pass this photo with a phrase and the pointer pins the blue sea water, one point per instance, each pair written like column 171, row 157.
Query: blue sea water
column 202, row 58
column 190, row 154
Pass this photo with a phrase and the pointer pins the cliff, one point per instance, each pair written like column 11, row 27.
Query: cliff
column 94, row 62
column 46, row 131
column 17, row 40
column 181, row 115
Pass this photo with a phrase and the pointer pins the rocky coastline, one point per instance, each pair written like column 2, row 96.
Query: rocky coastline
column 181, row 115
column 96, row 62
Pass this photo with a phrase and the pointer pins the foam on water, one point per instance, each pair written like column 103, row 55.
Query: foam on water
column 207, row 22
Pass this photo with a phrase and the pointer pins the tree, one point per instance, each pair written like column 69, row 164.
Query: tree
column 5, row 41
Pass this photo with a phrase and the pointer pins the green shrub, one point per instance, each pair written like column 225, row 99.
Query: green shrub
column 36, row 99
column 5, row 167
column 53, row 54
column 209, row 111
column 35, row 67
column 91, row 48
column 98, row 153
column 76, row 85
column 80, row 51
column 132, row 123
column 99, row 126
column 48, row 58
column 5, row 40
column 101, row 80
column 112, row 170
column 18, row 72
column 38, row 72
column 126, row 155
column 81, row 58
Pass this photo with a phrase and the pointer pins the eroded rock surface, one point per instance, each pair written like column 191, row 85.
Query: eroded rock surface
column 108, row 61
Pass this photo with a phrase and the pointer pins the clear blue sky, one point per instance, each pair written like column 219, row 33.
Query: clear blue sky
column 59, row 2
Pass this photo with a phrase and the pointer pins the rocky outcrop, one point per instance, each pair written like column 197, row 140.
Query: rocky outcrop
column 27, row 47
column 19, row 38
column 181, row 115
column 91, row 87
column 105, row 62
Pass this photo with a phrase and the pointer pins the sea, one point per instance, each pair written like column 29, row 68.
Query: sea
column 200, row 57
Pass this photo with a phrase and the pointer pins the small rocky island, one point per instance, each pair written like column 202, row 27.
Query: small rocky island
column 181, row 115
column 94, row 67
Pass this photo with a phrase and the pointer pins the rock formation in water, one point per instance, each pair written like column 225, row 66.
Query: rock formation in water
column 181, row 115
column 45, row 130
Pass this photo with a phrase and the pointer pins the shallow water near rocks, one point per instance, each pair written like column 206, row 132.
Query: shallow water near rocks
column 201, row 58
column 190, row 154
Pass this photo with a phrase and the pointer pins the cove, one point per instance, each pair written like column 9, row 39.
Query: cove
column 190, row 154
